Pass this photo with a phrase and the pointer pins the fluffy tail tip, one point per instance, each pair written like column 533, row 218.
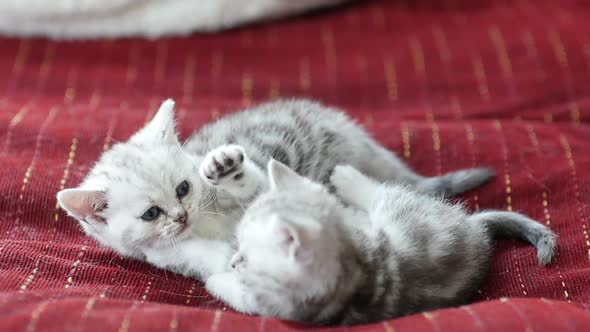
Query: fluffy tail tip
column 546, row 246
column 480, row 174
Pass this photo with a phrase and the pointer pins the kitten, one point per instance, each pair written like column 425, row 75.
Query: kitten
column 176, row 205
column 304, row 256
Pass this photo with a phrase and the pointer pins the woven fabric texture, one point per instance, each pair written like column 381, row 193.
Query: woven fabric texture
column 445, row 84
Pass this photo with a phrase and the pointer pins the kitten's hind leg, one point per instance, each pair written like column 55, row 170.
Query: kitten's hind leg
column 353, row 187
column 385, row 166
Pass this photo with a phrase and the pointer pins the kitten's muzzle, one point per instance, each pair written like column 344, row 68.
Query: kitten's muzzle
column 182, row 219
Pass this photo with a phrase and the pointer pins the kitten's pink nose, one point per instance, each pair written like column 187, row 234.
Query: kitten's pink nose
column 182, row 219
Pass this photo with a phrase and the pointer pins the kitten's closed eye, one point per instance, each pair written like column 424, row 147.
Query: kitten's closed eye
column 151, row 214
column 182, row 189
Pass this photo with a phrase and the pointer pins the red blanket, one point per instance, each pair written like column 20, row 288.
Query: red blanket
column 446, row 85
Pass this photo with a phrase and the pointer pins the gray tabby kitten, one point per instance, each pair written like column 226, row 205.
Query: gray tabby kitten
column 176, row 206
column 304, row 256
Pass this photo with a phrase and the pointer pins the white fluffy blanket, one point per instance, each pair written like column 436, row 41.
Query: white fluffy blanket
column 67, row 19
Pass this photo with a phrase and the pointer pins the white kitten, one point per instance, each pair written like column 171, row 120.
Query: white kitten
column 150, row 192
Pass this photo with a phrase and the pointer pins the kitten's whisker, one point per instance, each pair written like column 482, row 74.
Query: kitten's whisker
column 213, row 213
column 202, row 206
column 181, row 146
column 207, row 199
column 112, row 258
column 186, row 141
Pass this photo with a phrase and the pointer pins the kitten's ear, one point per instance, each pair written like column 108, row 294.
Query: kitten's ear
column 288, row 235
column 83, row 204
column 281, row 176
column 161, row 129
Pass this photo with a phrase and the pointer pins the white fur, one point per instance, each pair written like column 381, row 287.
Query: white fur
column 150, row 18
column 298, row 251
column 195, row 256
column 362, row 190
column 144, row 172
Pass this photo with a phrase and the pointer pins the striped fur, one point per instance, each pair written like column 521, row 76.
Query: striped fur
column 304, row 256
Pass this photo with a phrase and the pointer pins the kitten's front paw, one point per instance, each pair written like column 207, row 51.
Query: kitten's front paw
column 229, row 288
column 346, row 177
column 352, row 186
column 223, row 164
column 215, row 283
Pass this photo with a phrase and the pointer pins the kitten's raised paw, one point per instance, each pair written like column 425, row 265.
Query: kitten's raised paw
column 223, row 164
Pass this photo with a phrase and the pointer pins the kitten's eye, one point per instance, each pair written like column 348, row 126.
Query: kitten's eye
column 182, row 189
column 151, row 214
